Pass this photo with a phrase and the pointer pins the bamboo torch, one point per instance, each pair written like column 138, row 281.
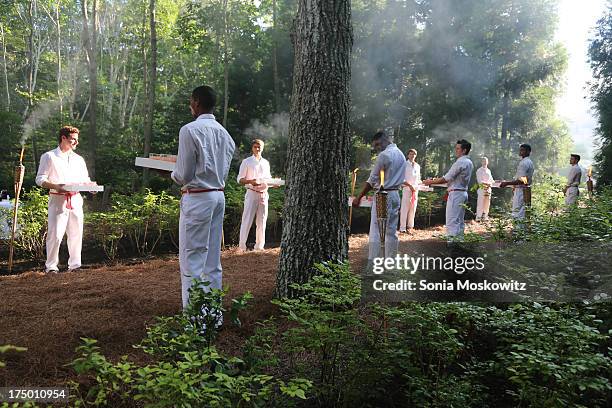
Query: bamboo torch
column 381, row 212
column 353, row 181
column 18, row 182
column 590, row 181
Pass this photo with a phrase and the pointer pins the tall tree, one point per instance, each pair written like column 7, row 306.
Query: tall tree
column 90, row 37
column 316, row 213
column 150, row 85
column 600, row 54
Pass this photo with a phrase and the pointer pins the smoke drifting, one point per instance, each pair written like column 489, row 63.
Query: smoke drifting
column 276, row 126
column 39, row 115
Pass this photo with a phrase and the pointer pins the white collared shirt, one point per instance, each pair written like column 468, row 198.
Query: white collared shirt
column 459, row 175
column 204, row 154
column 251, row 168
column 413, row 173
column 525, row 169
column 574, row 176
column 484, row 176
column 58, row 167
column 393, row 162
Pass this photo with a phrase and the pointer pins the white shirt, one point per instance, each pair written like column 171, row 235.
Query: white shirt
column 393, row 162
column 459, row 175
column 58, row 167
column 204, row 154
column 251, row 168
column 574, row 176
column 525, row 169
column 413, row 173
column 484, row 176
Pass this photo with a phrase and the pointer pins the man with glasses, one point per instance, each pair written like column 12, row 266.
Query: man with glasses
column 57, row 168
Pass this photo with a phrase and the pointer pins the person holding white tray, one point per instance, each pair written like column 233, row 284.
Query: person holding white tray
column 458, row 180
column 204, row 156
column 253, row 171
column 410, row 193
column 57, row 169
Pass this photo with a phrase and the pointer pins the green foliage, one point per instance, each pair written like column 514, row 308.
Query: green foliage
column 32, row 221
column 187, row 370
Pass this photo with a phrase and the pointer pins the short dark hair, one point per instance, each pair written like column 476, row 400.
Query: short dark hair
column 205, row 96
column 380, row 135
column 66, row 131
column 576, row 156
column 526, row 146
column 465, row 145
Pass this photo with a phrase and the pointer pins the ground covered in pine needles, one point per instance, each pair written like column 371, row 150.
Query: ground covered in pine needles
column 48, row 314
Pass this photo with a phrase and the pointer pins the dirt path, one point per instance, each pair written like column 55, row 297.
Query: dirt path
column 49, row 313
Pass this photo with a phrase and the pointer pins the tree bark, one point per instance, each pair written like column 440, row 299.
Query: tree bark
column 315, row 217
column 90, row 45
column 226, row 49
column 6, row 82
column 152, row 79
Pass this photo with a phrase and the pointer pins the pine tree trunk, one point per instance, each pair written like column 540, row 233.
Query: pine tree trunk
column 275, row 60
column 315, row 218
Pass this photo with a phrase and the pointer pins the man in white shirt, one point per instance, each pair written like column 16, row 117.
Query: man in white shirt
column 252, row 170
column 522, row 183
column 202, row 164
column 457, row 179
column 57, row 168
column 410, row 192
column 573, row 181
column 393, row 162
column 485, row 181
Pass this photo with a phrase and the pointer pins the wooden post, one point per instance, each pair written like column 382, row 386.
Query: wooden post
column 18, row 182
column 354, row 180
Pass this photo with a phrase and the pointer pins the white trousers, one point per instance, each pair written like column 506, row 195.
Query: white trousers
column 571, row 195
column 255, row 206
column 455, row 213
column 518, row 204
column 391, row 236
column 482, row 205
column 61, row 221
column 200, row 229
column 408, row 209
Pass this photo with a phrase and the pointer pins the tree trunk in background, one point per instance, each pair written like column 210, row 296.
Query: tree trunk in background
column 90, row 45
column 504, row 134
column 151, row 83
column 225, row 65
column 6, row 83
column 277, row 101
column 315, row 216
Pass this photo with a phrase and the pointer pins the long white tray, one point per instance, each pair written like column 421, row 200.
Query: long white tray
column 154, row 164
column 83, row 187
column 273, row 181
column 363, row 203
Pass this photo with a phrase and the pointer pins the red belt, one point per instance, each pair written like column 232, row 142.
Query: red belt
column 68, row 196
column 255, row 191
column 200, row 190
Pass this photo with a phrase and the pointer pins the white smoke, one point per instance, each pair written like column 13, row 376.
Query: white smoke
column 275, row 126
column 39, row 115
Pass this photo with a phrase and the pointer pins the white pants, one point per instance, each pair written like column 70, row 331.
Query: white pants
column 200, row 229
column 255, row 205
column 408, row 209
column 518, row 204
column 483, row 204
column 391, row 236
column 62, row 220
column 455, row 213
column 571, row 195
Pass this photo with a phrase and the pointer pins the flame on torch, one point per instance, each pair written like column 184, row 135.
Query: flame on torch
column 382, row 179
column 524, row 180
column 590, row 173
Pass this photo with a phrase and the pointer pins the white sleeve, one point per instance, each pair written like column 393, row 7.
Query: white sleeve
column 228, row 155
column 267, row 174
column 418, row 177
column 85, row 173
column 43, row 170
column 185, row 168
column 243, row 171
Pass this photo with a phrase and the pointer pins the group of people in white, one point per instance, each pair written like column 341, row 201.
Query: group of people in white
column 405, row 174
column 204, row 156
